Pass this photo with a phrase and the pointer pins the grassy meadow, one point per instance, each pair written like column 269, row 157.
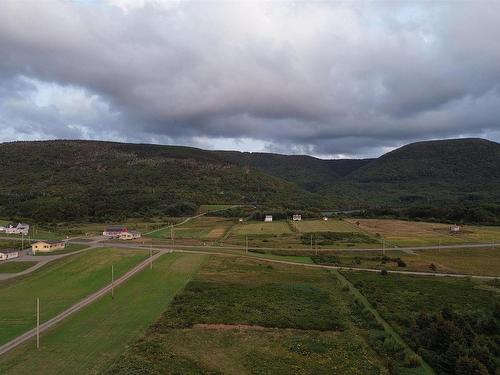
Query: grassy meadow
column 59, row 284
column 90, row 340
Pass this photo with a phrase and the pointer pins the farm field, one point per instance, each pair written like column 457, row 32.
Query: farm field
column 261, row 228
column 452, row 323
column 468, row 261
column 195, row 231
column 412, row 233
column 332, row 225
column 14, row 267
column 59, row 285
column 256, row 318
column 90, row 340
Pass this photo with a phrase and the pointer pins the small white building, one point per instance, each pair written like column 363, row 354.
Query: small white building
column 325, row 218
column 2, row 229
column 268, row 218
column 8, row 254
column 240, row 220
column 131, row 235
column 455, row 228
column 297, row 217
column 19, row 228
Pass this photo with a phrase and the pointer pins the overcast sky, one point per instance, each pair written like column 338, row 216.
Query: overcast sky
column 332, row 79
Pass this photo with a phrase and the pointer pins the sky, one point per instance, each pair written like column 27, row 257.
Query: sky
column 331, row 79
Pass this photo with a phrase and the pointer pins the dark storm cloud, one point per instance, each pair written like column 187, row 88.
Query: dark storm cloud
column 320, row 78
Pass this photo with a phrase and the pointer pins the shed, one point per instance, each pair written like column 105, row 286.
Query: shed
column 268, row 218
column 8, row 254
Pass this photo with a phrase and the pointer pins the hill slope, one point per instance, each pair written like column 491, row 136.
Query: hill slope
column 433, row 171
column 65, row 180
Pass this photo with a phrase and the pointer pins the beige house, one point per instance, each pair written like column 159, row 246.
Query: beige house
column 47, row 246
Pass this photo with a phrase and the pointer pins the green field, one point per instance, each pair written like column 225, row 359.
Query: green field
column 241, row 316
column 15, row 267
column 452, row 322
column 261, row 228
column 91, row 339
column 58, row 285
column 196, row 231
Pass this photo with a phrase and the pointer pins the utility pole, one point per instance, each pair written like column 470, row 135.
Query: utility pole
column 439, row 246
column 383, row 246
column 38, row 323
column 112, row 282
column 316, row 245
column 151, row 256
column 246, row 244
column 311, row 241
column 172, row 235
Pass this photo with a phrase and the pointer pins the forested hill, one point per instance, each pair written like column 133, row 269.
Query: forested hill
column 75, row 180
column 432, row 172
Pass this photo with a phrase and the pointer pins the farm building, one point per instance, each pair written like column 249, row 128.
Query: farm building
column 114, row 231
column 297, row 217
column 47, row 246
column 8, row 254
column 132, row 235
column 455, row 228
column 19, row 228
column 325, row 218
column 268, row 218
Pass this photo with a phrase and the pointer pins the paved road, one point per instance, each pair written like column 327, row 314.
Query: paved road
column 78, row 306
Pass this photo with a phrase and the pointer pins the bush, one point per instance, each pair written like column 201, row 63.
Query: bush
column 384, row 272
column 411, row 360
column 401, row 262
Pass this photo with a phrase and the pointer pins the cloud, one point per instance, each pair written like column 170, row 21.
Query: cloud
column 330, row 79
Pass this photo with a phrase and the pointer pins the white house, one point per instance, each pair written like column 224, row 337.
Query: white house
column 8, row 254
column 455, row 228
column 2, row 229
column 114, row 231
column 325, row 218
column 297, row 217
column 132, row 235
column 20, row 228
column 268, row 218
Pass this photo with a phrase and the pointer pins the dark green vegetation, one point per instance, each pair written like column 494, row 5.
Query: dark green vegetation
column 87, row 342
column 15, row 267
column 59, row 285
column 241, row 316
column 87, row 180
column 452, row 323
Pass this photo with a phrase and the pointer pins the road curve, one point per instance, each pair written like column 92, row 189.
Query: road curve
column 79, row 305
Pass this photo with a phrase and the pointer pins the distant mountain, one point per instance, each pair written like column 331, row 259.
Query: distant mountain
column 71, row 180
column 428, row 172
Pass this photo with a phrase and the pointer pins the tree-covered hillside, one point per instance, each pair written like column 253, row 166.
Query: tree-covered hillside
column 74, row 180
column 433, row 172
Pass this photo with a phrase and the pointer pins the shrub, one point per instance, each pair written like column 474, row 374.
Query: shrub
column 401, row 262
column 384, row 272
column 411, row 360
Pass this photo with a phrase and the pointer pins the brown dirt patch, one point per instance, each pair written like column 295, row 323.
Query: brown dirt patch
column 216, row 233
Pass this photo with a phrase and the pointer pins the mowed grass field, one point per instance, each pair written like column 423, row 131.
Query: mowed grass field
column 242, row 316
column 59, row 284
column 412, row 233
column 15, row 267
column 89, row 341
column 261, row 228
